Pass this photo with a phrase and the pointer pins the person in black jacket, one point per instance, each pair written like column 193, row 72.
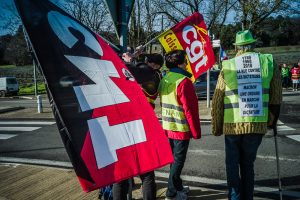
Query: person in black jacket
column 148, row 76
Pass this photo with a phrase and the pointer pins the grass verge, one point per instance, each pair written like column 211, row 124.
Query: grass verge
column 7, row 66
column 28, row 89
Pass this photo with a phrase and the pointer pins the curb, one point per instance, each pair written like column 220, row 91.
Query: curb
column 9, row 109
column 22, row 97
column 28, row 119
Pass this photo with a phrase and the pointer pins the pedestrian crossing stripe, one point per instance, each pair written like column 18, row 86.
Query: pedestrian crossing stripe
column 284, row 128
column 294, row 137
column 6, row 128
column 279, row 122
column 26, row 123
column 6, row 136
column 19, row 128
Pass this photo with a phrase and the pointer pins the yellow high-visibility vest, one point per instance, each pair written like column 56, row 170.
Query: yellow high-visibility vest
column 247, row 95
column 173, row 117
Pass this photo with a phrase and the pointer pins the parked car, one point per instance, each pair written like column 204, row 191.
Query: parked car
column 201, row 83
column 8, row 85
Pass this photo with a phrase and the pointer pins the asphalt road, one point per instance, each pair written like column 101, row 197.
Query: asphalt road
column 26, row 101
column 205, row 157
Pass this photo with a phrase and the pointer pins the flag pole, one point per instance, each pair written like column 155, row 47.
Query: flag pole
column 277, row 162
column 149, row 42
column 110, row 43
column 220, row 55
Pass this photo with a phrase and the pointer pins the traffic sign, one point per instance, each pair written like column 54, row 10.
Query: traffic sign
column 216, row 43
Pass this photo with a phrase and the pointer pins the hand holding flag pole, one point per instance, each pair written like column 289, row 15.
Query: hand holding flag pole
column 128, row 57
column 140, row 48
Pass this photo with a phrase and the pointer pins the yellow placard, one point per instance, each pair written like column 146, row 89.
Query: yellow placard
column 170, row 42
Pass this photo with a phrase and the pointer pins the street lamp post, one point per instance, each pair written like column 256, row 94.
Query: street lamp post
column 124, row 25
column 34, row 79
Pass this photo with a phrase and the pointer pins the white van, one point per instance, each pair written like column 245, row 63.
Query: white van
column 8, row 85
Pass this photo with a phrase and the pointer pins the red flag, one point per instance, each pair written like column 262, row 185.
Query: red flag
column 109, row 129
column 191, row 35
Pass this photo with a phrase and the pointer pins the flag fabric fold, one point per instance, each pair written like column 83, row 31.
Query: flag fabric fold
column 109, row 130
column 192, row 36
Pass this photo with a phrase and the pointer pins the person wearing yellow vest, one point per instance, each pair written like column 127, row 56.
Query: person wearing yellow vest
column 246, row 101
column 180, row 117
column 285, row 74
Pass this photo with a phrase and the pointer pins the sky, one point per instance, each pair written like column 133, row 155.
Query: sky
column 5, row 14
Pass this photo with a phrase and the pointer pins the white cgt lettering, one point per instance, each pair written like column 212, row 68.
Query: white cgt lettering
column 104, row 92
column 196, row 44
column 106, row 139
column 60, row 24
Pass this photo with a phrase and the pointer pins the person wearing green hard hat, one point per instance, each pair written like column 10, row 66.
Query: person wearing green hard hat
column 245, row 103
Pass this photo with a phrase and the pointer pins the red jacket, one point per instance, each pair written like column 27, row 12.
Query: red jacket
column 295, row 73
column 186, row 96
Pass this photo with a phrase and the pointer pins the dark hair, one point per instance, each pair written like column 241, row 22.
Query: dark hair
column 154, row 58
column 175, row 58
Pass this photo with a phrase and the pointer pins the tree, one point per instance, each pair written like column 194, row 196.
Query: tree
column 93, row 14
column 214, row 11
column 4, row 41
column 283, row 31
column 16, row 50
column 253, row 13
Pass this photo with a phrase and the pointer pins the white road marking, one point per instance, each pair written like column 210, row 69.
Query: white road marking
column 275, row 191
column 4, row 128
column 7, row 160
column 6, row 136
column 273, row 158
column 27, row 122
column 223, row 183
column 23, row 101
column 214, row 153
column 294, row 137
column 9, row 128
column 284, row 128
column 279, row 122
column 36, row 162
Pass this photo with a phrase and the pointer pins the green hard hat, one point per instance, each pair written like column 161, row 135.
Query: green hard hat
column 243, row 38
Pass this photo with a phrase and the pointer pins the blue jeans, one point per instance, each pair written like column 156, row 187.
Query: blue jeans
column 179, row 149
column 240, row 156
